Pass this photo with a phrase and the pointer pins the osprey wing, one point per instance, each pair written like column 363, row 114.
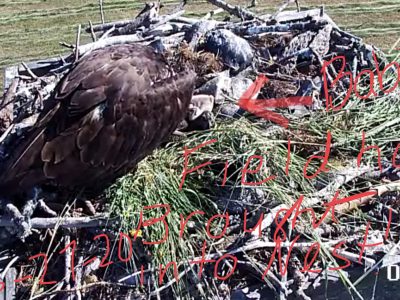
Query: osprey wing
column 108, row 113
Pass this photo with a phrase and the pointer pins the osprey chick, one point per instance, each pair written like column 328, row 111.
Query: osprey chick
column 110, row 111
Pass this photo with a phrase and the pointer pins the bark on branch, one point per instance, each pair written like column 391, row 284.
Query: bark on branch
column 77, row 222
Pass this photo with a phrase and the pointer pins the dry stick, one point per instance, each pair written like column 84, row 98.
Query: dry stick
column 349, row 175
column 161, row 20
column 283, row 6
column 262, row 244
column 353, row 257
column 258, row 244
column 78, row 38
column 64, row 44
column 135, row 23
column 79, row 276
column 106, row 26
column 114, row 40
column 10, row 284
column 29, row 71
column 341, row 178
column 157, row 291
column 88, row 286
column 270, row 274
column 212, row 13
column 287, row 16
column 10, row 93
column 185, row 20
column 349, row 206
column 94, row 38
column 253, row 3
column 101, row 11
column 107, row 33
column 50, row 253
column 78, row 222
column 280, row 8
column 355, row 63
column 171, row 282
column 164, row 286
column 7, row 109
column 5, row 134
column 367, row 272
column 9, row 265
column 45, row 208
column 234, row 10
column 133, row 275
column 297, row 5
column 62, row 59
column 380, row 190
column 282, row 293
column 67, row 264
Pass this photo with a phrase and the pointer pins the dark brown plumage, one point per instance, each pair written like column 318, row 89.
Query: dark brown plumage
column 109, row 112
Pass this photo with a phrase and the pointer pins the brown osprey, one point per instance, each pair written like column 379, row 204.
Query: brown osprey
column 111, row 110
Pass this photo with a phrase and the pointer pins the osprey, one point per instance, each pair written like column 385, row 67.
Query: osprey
column 110, row 111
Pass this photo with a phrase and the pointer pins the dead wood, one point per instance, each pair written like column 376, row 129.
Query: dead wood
column 149, row 13
column 69, row 222
column 236, row 10
column 114, row 40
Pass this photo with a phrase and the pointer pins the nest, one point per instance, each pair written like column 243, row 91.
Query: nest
column 288, row 47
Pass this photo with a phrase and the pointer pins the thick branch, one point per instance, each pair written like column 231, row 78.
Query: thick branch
column 78, row 222
column 123, row 39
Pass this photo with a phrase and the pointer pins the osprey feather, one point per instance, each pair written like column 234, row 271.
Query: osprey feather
column 109, row 112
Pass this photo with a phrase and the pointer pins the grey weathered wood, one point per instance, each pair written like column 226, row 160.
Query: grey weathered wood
column 301, row 26
column 234, row 10
column 10, row 284
column 292, row 15
column 166, row 29
column 114, row 40
column 42, row 67
column 78, row 222
column 11, row 89
column 9, row 75
column 107, row 26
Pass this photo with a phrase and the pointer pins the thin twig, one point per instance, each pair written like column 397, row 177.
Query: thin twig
column 6, row 132
column 78, row 38
column 297, row 5
column 29, row 71
column 101, row 11
column 69, row 46
column 9, row 265
column 45, row 208
column 238, row 11
column 94, row 38
column 67, row 264
column 171, row 282
column 79, row 276
column 107, row 33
